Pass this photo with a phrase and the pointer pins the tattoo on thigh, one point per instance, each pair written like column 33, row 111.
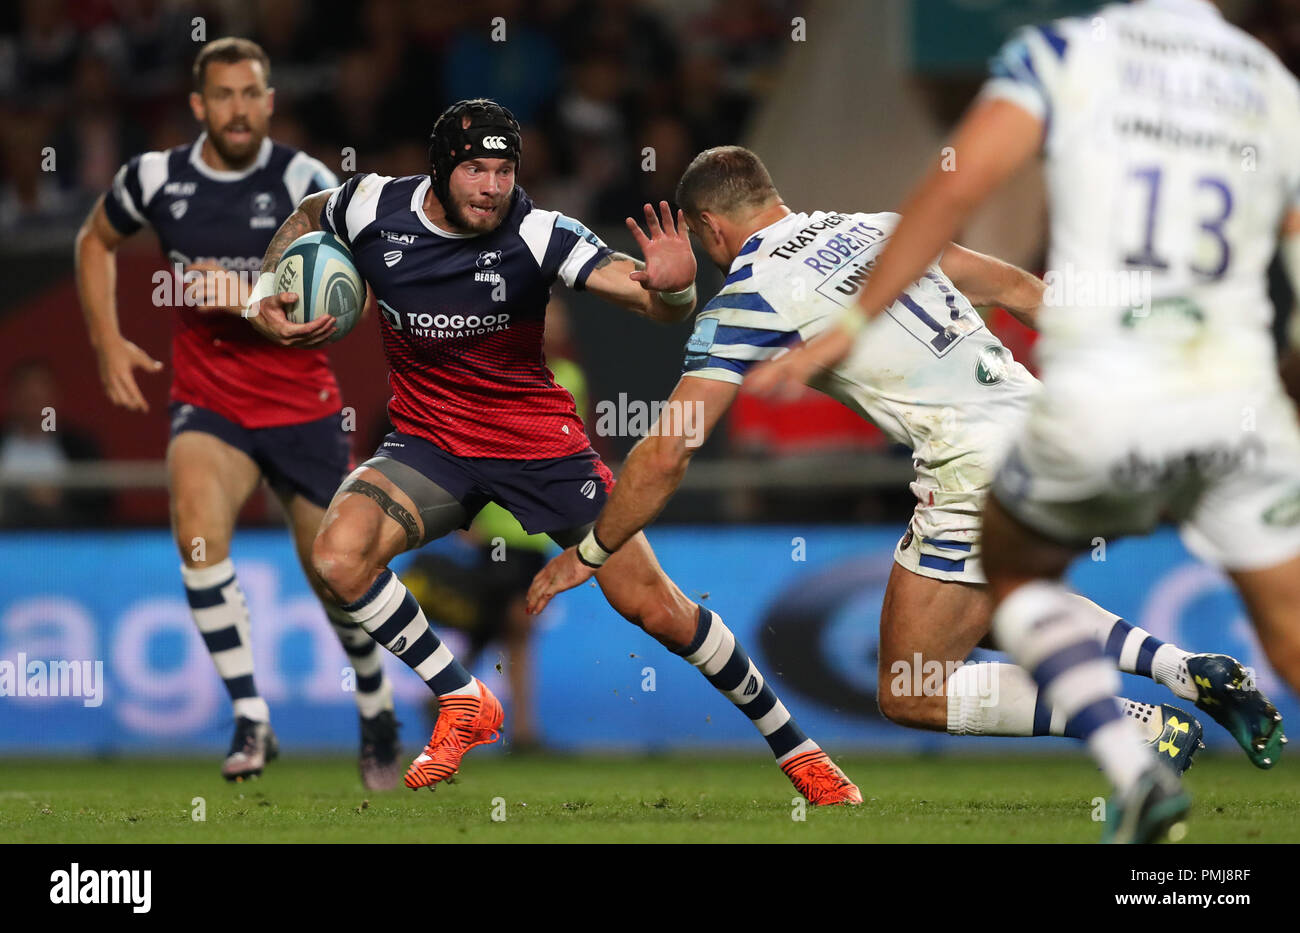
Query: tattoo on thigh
column 393, row 510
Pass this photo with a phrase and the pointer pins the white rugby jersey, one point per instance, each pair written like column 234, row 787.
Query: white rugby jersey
column 1172, row 149
column 921, row 370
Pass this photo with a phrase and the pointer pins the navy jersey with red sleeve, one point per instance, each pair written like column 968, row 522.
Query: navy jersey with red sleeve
column 463, row 316
column 204, row 215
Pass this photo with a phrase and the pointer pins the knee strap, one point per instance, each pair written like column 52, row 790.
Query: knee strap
column 440, row 511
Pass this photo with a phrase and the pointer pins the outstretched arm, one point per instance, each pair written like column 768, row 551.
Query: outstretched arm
column 985, row 280
column 662, row 287
column 652, row 473
column 265, row 309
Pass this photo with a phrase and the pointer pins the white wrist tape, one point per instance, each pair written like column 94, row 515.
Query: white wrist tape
column 590, row 552
column 265, row 288
column 683, row 297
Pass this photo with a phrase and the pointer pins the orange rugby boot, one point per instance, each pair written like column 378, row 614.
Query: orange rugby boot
column 820, row 780
column 463, row 722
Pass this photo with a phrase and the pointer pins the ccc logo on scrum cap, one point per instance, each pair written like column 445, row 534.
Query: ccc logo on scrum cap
column 494, row 142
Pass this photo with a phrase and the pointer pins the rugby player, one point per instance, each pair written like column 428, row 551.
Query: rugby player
column 951, row 392
column 241, row 410
column 1169, row 138
column 462, row 262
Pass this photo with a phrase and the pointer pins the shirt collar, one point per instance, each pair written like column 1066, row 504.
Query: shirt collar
column 417, row 208
column 196, row 159
column 756, row 238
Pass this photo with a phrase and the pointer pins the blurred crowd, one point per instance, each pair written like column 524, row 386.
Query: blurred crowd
column 85, row 84
column 1276, row 23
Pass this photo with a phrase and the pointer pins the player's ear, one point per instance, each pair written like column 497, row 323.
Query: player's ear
column 270, row 101
column 196, row 107
column 715, row 228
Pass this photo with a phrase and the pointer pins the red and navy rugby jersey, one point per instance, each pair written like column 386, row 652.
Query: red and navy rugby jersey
column 204, row 215
column 463, row 316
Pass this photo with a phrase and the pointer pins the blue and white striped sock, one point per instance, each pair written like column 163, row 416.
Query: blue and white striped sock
column 724, row 663
column 1042, row 627
column 394, row 619
column 1136, row 651
column 992, row 698
column 1048, row 722
column 221, row 613
column 373, row 689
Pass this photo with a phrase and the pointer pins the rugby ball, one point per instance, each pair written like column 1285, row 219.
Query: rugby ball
column 319, row 269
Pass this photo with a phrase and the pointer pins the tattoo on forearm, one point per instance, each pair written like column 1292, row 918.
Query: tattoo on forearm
column 618, row 257
column 393, row 510
column 297, row 224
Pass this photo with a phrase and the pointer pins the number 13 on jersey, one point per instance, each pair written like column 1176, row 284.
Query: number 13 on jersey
column 1180, row 220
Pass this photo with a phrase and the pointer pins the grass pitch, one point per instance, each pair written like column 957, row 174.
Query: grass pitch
column 571, row 799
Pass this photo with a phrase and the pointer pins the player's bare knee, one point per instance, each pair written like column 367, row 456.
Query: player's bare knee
column 671, row 622
column 656, row 619
column 634, row 605
column 903, row 709
column 653, row 610
column 340, row 570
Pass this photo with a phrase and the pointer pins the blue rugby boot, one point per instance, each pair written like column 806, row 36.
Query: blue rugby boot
column 1153, row 810
column 1173, row 734
column 1180, row 738
column 1226, row 690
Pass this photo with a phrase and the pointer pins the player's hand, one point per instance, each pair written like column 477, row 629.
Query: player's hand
column 117, row 364
column 269, row 320
column 669, row 259
column 564, row 572
column 218, row 290
column 784, row 378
